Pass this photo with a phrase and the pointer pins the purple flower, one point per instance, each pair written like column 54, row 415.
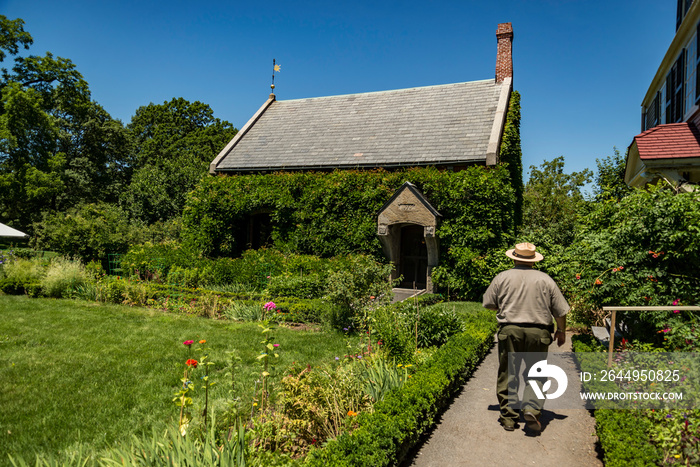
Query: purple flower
column 337, row 358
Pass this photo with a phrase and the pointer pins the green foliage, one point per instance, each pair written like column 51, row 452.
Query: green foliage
column 354, row 288
column 21, row 275
column 552, row 202
column 639, row 251
column 395, row 329
column 624, row 435
column 12, row 36
column 88, row 231
column 309, row 286
column 58, row 148
column 174, row 143
column 332, row 214
column 436, row 324
column 610, row 178
column 511, row 154
column 317, row 402
column 382, row 377
column 63, row 277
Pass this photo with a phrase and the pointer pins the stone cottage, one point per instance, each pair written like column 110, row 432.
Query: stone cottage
column 450, row 126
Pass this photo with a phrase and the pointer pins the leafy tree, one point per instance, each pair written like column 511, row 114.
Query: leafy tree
column 174, row 143
column 12, row 36
column 552, row 201
column 610, row 179
column 58, row 148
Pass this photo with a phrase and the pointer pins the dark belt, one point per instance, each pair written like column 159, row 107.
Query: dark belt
column 547, row 327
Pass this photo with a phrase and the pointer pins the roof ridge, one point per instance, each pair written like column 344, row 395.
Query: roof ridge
column 389, row 91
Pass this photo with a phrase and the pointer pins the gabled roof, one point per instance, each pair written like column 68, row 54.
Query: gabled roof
column 417, row 193
column 670, row 141
column 448, row 124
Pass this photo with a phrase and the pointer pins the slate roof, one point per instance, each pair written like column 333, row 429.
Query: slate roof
column 433, row 125
column 670, row 141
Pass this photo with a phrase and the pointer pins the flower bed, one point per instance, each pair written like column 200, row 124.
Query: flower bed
column 385, row 436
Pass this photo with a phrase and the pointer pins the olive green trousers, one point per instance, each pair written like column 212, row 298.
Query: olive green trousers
column 514, row 338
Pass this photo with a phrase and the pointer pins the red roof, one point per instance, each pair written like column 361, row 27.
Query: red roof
column 670, row 141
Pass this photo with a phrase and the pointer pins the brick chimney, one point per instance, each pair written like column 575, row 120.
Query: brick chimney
column 504, row 56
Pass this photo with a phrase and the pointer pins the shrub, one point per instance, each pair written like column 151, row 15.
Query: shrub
column 624, row 435
column 62, row 277
column 309, row 286
column 148, row 259
column 354, row 288
column 436, row 324
column 20, row 274
column 395, row 330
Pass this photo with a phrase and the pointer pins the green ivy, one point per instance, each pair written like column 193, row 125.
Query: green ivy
column 331, row 214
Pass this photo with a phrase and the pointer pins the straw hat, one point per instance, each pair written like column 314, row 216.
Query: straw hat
column 524, row 252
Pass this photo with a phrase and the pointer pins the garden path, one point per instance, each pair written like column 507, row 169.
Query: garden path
column 468, row 433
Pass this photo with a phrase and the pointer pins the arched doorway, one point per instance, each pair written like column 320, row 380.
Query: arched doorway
column 413, row 257
column 406, row 228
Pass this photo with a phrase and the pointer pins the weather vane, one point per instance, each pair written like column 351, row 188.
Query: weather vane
column 274, row 68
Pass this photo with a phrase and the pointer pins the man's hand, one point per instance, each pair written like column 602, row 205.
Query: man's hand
column 560, row 336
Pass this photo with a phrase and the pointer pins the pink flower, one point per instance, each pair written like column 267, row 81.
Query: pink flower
column 269, row 306
column 675, row 302
column 275, row 345
column 188, row 343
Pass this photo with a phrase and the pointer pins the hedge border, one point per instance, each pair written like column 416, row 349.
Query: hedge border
column 623, row 434
column 386, row 436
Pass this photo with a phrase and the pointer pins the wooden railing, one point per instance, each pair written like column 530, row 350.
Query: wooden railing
column 615, row 309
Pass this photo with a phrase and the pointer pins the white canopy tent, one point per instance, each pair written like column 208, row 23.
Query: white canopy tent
column 6, row 231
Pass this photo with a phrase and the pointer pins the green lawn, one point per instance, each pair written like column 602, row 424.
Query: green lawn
column 80, row 372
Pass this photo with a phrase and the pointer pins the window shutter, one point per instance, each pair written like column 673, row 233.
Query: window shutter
column 669, row 96
column 697, row 64
column 680, row 82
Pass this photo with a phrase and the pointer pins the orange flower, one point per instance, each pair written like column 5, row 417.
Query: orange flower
column 598, row 282
column 352, row 414
column 203, row 341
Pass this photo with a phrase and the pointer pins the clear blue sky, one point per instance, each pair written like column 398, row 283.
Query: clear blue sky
column 582, row 67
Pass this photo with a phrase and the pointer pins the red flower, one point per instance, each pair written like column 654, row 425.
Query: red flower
column 578, row 276
column 191, row 362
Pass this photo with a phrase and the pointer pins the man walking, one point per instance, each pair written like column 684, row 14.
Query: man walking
column 526, row 300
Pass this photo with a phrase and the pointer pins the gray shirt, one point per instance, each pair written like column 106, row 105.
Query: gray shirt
column 525, row 295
